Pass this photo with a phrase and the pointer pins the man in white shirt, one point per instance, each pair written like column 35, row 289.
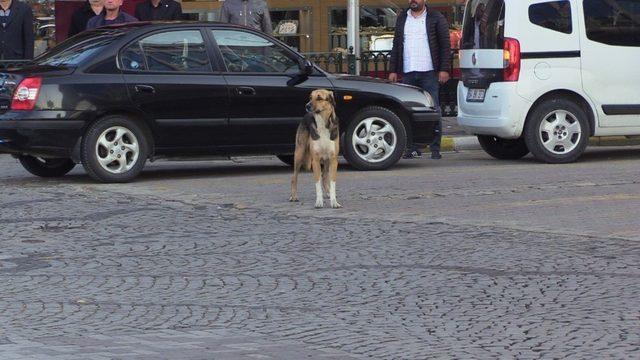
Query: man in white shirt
column 422, row 54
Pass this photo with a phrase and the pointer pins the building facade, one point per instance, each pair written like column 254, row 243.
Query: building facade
column 306, row 25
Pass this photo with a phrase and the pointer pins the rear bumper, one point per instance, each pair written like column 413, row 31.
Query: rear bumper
column 46, row 135
column 423, row 124
column 502, row 114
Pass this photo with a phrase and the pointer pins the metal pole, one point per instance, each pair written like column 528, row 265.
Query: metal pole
column 353, row 35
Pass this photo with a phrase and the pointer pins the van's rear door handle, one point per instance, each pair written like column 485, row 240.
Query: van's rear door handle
column 245, row 91
column 145, row 89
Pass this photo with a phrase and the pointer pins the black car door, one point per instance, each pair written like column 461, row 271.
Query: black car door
column 264, row 110
column 170, row 77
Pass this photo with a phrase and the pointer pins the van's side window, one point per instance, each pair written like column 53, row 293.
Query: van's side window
column 613, row 22
column 554, row 16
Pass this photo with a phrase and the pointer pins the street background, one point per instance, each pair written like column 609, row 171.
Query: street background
column 466, row 257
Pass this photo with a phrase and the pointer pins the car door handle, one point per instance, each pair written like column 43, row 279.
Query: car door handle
column 145, row 89
column 245, row 91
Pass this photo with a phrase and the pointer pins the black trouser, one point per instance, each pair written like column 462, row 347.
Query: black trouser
column 428, row 81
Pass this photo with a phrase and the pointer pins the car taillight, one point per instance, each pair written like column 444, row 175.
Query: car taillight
column 511, row 59
column 26, row 94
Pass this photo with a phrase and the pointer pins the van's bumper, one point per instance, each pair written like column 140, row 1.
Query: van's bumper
column 42, row 133
column 502, row 114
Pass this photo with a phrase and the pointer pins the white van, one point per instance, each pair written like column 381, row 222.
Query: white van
column 543, row 76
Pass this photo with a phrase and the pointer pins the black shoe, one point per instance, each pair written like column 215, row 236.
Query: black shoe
column 435, row 154
column 415, row 154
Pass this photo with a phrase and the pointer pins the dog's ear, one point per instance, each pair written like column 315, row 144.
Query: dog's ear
column 332, row 99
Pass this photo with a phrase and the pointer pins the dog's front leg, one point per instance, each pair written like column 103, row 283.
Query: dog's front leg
column 333, row 173
column 325, row 178
column 317, row 177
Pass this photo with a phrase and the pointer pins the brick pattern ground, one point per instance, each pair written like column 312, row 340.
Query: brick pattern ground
column 88, row 272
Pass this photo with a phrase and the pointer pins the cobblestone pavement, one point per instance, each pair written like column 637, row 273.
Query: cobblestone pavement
column 164, row 269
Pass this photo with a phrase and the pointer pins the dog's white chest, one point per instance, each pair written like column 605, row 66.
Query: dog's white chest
column 324, row 146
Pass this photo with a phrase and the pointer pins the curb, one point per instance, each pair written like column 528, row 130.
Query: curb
column 458, row 143
column 614, row 141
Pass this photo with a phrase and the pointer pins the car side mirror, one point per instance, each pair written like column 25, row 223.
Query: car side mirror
column 306, row 67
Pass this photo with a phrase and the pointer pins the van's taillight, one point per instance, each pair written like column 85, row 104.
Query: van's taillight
column 26, row 94
column 511, row 59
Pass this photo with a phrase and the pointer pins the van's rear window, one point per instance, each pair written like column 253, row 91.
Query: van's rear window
column 483, row 25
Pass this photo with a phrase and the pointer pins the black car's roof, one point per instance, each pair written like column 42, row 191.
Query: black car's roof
column 127, row 27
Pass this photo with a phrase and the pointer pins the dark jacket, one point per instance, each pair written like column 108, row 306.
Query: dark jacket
column 80, row 18
column 99, row 20
column 251, row 13
column 439, row 42
column 167, row 10
column 16, row 38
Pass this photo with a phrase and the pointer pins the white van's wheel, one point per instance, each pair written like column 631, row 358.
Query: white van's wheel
column 503, row 149
column 557, row 131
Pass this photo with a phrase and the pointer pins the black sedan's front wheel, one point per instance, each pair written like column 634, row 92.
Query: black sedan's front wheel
column 375, row 139
column 114, row 150
column 47, row 168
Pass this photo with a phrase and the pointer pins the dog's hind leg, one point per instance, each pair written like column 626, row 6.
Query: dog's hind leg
column 333, row 173
column 317, row 177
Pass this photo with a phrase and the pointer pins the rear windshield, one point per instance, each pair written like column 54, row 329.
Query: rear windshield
column 79, row 48
column 483, row 25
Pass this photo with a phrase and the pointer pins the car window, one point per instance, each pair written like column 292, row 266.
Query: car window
column 171, row 51
column 483, row 25
column 555, row 15
column 79, row 48
column 613, row 22
column 246, row 52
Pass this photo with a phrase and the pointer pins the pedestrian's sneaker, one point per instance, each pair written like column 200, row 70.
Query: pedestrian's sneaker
column 435, row 154
column 414, row 154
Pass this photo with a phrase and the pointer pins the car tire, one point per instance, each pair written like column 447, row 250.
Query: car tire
column 557, row 131
column 287, row 159
column 503, row 149
column 375, row 139
column 46, row 168
column 119, row 139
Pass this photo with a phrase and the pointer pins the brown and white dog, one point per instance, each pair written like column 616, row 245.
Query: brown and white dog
column 317, row 147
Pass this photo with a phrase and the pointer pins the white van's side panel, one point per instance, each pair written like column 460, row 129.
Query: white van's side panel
column 550, row 59
column 611, row 76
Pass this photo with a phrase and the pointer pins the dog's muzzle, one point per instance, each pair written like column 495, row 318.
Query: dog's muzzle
column 309, row 107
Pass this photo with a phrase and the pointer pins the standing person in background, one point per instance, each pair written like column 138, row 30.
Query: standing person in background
column 81, row 17
column 111, row 15
column 152, row 10
column 422, row 54
column 16, row 30
column 251, row 13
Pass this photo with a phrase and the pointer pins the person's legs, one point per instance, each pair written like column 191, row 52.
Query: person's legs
column 432, row 86
column 413, row 79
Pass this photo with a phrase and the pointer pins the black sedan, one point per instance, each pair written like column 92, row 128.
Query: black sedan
column 115, row 97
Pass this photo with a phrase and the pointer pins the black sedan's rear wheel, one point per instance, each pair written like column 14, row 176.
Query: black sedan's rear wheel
column 375, row 139
column 47, row 168
column 114, row 149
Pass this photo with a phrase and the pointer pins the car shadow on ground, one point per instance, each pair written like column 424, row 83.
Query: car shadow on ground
column 167, row 171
